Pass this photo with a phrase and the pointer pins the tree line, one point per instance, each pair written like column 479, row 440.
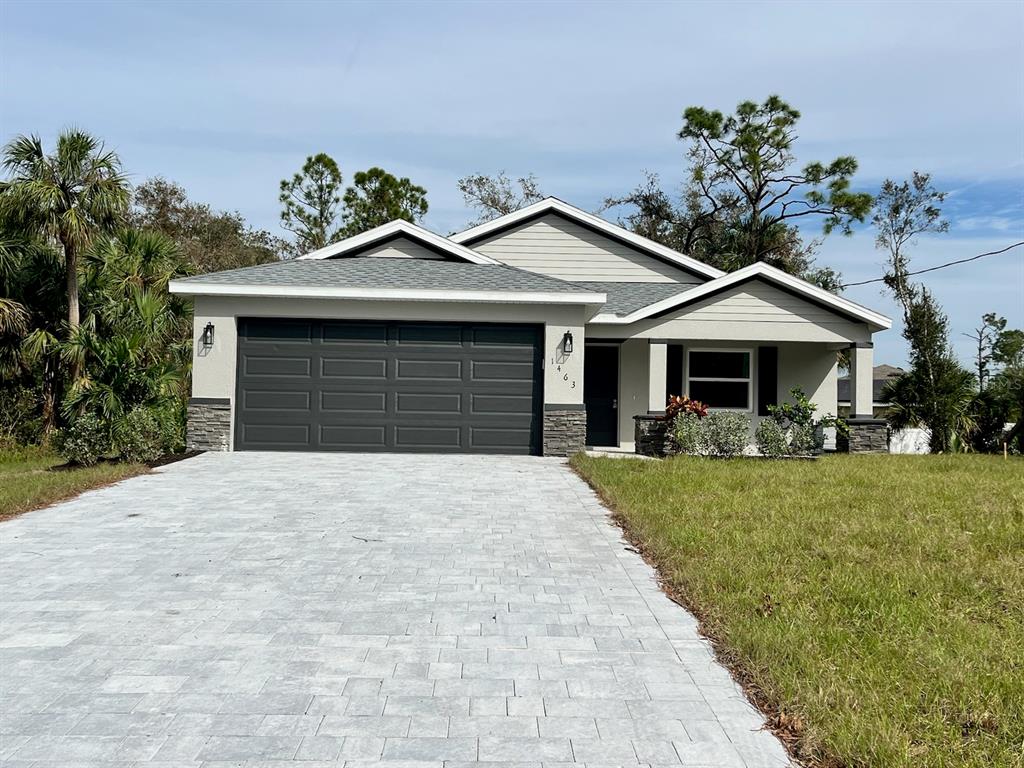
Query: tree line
column 94, row 348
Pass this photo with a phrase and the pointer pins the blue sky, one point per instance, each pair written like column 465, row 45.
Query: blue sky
column 229, row 98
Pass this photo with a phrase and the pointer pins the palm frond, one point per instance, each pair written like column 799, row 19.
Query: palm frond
column 38, row 342
column 14, row 317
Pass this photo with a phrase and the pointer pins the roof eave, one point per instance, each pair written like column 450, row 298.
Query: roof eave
column 188, row 288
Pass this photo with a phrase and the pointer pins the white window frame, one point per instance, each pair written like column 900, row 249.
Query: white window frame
column 749, row 379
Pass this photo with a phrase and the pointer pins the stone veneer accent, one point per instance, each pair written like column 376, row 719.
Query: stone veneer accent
column 866, row 436
column 209, row 424
column 565, row 429
column 650, row 435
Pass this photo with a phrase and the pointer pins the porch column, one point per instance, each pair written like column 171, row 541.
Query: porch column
column 649, row 429
column 866, row 433
column 862, row 397
column 657, row 370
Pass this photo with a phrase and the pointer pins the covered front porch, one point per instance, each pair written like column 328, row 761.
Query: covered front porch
column 626, row 378
column 739, row 343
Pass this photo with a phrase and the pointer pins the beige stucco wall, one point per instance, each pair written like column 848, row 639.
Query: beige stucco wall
column 213, row 369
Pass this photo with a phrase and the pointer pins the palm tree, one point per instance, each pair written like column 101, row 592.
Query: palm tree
column 67, row 197
column 31, row 308
column 134, row 342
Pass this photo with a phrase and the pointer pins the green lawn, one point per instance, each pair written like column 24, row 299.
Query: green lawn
column 874, row 602
column 26, row 481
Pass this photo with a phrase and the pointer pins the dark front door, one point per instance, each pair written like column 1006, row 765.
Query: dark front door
column 325, row 385
column 601, row 394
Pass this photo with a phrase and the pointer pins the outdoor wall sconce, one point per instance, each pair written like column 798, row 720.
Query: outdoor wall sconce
column 567, row 343
column 208, row 335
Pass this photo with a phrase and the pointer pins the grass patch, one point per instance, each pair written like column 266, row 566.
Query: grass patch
column 874, row 605
column 28, row 480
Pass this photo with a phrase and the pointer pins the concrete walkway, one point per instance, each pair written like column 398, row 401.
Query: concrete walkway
column 280, row 609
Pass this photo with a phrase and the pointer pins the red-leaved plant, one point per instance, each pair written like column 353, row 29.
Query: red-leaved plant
column 683, row 404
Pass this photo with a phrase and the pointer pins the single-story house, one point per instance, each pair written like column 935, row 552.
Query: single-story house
column 540, row 332
column 880, row 376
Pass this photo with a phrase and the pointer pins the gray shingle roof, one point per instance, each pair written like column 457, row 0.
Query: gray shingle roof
column 624, row 298
column 387, row 273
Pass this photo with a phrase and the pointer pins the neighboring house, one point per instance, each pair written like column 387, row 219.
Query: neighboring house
column 538, row 332
column 880, row 376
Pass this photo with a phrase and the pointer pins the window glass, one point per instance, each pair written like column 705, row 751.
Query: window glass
column 719, row 365
column 721, row 394
column 719, row 379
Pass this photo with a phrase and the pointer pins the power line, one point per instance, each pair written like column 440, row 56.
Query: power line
column 940, row 266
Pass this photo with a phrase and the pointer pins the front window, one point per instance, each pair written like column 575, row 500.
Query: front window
column 719, row 378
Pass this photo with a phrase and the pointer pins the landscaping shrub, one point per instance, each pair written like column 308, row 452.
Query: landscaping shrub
column 771, row 439
column 683, row 404
column 138, row 436
column 794, row 422
column 725, row 433
column 698, row 433
column 803, row 439
column 171, row 419
column 21, row 422
column 84, row 441
column 688, row 433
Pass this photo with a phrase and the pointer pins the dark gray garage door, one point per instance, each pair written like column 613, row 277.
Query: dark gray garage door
column 324, row 385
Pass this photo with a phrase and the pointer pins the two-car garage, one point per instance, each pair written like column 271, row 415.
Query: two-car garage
column 342, row 385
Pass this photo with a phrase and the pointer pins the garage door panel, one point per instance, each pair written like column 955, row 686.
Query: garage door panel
column 435, row 436
column 276, row 400
column 426, row 402
column 353, row 402
column 501, row 405
column 271, row 435
column 500, row 370
column 501, row 439
column 504, row 337
column 430, row 335
column 278, row 331
column 361, row 334
column 277, row 365
column 352, row 368
column 353, row 436
column 389, row 387
column 437, row 370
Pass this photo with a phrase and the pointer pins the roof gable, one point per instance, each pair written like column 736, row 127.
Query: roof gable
column 551, row 206
column 782, row 281
column 368, row 243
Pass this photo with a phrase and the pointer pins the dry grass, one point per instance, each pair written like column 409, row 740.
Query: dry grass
column 28, row 480
column 873, row 604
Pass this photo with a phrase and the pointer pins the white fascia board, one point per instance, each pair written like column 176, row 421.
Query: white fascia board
column 769, row 273
column 663, row 252
column 186, row 288
column 400, row 227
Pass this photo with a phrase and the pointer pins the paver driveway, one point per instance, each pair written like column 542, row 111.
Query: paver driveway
column 279, row 608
